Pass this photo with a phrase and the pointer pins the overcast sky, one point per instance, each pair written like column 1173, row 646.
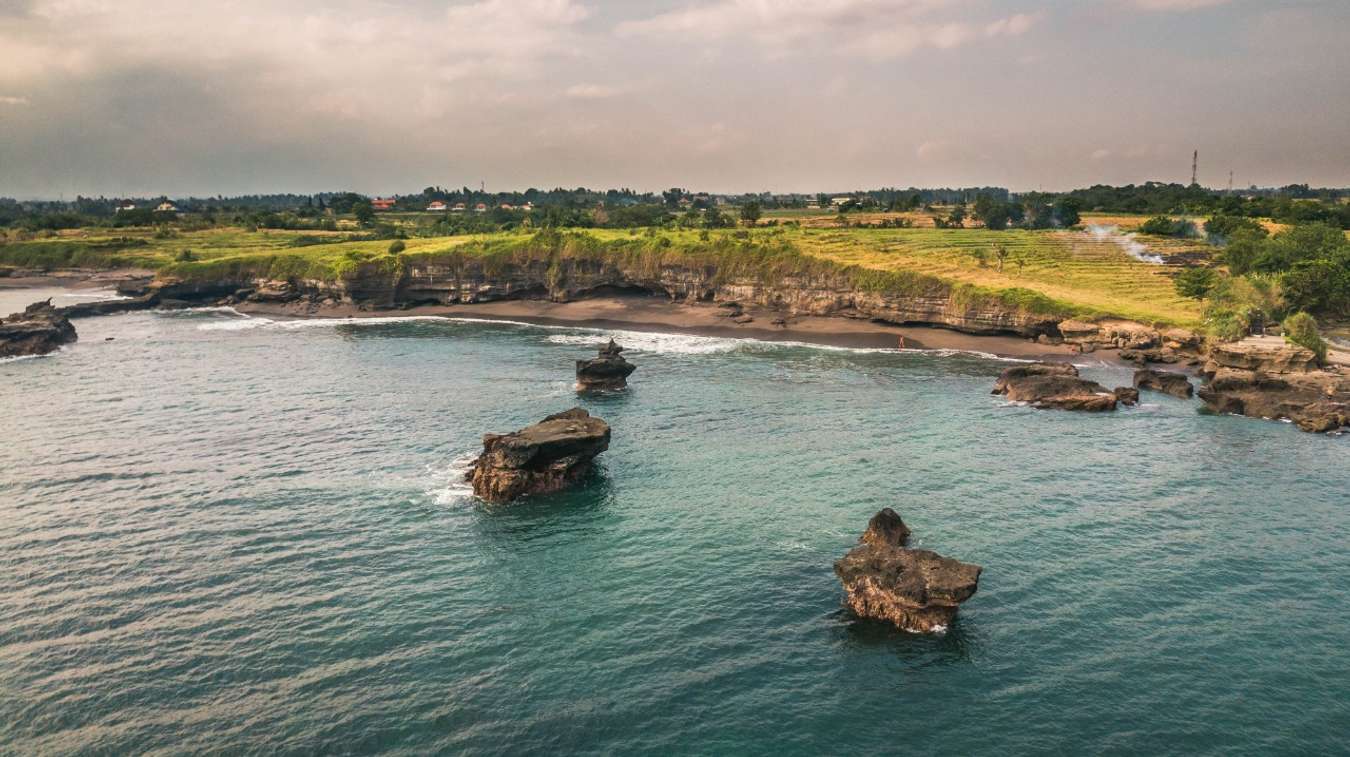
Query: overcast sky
column 137, row 97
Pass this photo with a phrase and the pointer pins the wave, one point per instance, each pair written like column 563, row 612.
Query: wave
column 17, row 358
column 245, row 322
column 449, row 486
column 637, row 341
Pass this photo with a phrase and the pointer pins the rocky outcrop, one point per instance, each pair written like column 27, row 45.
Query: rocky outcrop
column 1267, row 379
column 915, row 589
column 607, row 372
column 1175, row 384
column 1137, row 343
column 1126, row 395
column 38, row 330
column 1054, row 386
column 547, row 457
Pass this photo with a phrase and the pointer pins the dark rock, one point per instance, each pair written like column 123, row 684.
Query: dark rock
column 1175, row 384
column 743, row 319
column 886, row 527
column 1126, row 395
column 1316, row 401
column 1054, row 386
column 38, row 330
column 109, row 307
column 609, row 371
column 547, row 457
column 915, row 589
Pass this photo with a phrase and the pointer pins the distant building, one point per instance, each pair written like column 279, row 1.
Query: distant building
column 527, row 207
column 480, row 208
column 508, row 206
column 841, row 201
column 166, row 207
column 382, row 204
column 459, row 207
column 437, row 206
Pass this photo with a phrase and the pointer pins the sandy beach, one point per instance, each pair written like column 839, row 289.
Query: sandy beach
column 656, row 314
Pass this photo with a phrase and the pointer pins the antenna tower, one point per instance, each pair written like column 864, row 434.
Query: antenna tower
column 1195, row 167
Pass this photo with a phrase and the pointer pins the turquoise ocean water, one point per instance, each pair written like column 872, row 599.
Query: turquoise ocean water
column 222, row 534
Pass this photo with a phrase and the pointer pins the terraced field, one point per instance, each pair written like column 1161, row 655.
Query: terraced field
column 1072, row 266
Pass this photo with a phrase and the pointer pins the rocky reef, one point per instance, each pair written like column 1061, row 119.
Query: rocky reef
column 609, row 371
column 547, row 457
column 38, row 330
column 1264, row 379
column 1167, row 382
column 1054, row 386
column 915, row 589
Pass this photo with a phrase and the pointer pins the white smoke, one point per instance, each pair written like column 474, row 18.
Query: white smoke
column 1127, row 242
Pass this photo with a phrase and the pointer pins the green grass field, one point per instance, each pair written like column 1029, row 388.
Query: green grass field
column 1069, row 272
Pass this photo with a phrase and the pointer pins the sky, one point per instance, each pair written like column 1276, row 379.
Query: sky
column 135, row 97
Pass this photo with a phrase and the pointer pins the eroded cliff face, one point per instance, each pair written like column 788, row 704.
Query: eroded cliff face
column 459, row 281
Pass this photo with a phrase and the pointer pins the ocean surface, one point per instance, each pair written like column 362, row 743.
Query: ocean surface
column 222, row 534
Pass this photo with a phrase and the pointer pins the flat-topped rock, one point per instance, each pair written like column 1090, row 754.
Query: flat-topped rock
column 547, row 457
column 607, row 371
column 915, row 589
column 1054, row 386
column 38, row 330
column 1262, row 355
column 1167, row 382
column 1316, row 401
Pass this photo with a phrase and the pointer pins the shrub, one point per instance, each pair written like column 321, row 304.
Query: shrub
column 1224, row 227
column 185, row 256
column 1166, row 226
column 1301, row 329
column 397, row 246
column 1195, row 283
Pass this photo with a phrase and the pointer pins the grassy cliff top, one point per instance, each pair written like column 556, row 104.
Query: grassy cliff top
column 1060, row 272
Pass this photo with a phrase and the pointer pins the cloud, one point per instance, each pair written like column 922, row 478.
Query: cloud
column 876, row 29
column 1177, row 5
column 591, row 92
column 11, row 100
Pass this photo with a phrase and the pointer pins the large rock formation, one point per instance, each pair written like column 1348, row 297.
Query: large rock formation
column 38, row 330
column 915, row 589
column 547, row 457
column 609, row 371
column 1175, row 384
column 1054, row 386
column 1265, row 379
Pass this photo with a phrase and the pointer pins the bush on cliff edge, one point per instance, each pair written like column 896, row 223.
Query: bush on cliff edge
column 1301, row 329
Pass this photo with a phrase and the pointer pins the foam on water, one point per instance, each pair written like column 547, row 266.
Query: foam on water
column 448, row 485
column 245, row 322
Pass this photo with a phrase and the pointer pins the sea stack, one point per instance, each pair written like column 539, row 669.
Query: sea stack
column 915, row 589
column 1054, row 386
column 544, row 458
column 608, row 371
column 38, row 330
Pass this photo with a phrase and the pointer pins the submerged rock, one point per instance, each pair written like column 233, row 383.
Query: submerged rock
column 915, row 589
column 547, row 457
column 610, row 370
column 38, row 330
column 1054, row 386
column 1175, row 384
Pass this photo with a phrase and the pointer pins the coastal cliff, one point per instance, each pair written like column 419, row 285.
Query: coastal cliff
column 565, row 267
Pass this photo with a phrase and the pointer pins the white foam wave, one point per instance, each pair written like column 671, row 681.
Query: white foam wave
column 688, row 344
column 17, row 358
column 1127, row 242
column 448, row 484
column 245, row 322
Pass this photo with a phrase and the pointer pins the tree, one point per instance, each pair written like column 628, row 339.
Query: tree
column 1001, row 253
column 1301, row 329
column 1066, row 211
column 1195, row 283
column 397, row 246
column 365, row 214
column 750, row 212
column 981, row 256
column 714, row 218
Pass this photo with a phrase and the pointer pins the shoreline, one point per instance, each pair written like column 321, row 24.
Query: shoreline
column 659, row 315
